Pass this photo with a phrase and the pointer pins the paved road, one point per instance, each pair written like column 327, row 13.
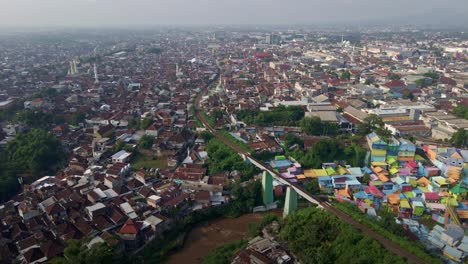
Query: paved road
column 389, row 245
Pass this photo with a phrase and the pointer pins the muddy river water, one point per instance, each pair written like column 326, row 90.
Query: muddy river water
column 208, row 236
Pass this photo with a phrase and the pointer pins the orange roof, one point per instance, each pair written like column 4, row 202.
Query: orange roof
column 343, row 192
column 424, row 181
column 377, row 169
column 443, row 194
column 300, row 176
column 130, row 227
column 393, row 198
column 382, row 177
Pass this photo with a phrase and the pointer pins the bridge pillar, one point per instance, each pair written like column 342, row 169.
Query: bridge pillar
column 290, row 205
column 267, row 188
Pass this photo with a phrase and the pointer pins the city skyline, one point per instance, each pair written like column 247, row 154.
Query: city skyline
column 126, row 13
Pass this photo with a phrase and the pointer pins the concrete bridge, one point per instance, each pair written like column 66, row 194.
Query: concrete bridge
column 294, row 190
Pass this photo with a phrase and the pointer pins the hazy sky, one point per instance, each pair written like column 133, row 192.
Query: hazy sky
column 154, row 12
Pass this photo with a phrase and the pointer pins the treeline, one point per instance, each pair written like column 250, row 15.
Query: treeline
column 386, row 226
column 316, row 236
column 278, row 116
column 460, row 138
column 33, row 154
column 315, row 126
column 461, row 111
column 328, row 150
column 224, row 159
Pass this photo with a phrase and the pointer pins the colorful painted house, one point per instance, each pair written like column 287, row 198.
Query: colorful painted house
column 377, row 146
column 325, row 183
column 393, row 149
column 406, row 150
column 404, row 208
column 393, row 201
column 431, row 197
column 339, row 182
column 418, row 207
column 441, row 183
column 352, row 183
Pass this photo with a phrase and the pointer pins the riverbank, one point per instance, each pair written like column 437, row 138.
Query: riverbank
column 209, row 235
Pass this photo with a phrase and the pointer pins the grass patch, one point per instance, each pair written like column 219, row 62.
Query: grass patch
column 225, row 253
column 194, row 113
column 241, row 144
column 388, row 230
column 140, row 161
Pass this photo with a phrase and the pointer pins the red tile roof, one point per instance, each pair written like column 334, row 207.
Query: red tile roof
column 130, row 227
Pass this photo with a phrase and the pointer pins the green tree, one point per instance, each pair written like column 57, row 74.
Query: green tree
column 371, row 123
column 346, row 75
column 38, row 119
column 37, row 152
column 224, row 253
column 366, row 178
column 315, row 126
column 394, row 76
column 312, row 186
column 317, row 236
column 9, row 184
column 77, row 118
column 432, row 75
column 77, row 252
column 408, row 95
column 292, row 139
column 422, row 83
column 134, row 123
column 224, row 159
column 311, row 125
column 146, row 142
column 461, row 111
column 206, row 135
column 460, row 138
column 146, row 122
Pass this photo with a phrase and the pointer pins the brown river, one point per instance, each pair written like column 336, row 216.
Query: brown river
column 208, row 236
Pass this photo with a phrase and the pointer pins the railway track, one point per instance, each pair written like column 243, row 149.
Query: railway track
column 388, row 244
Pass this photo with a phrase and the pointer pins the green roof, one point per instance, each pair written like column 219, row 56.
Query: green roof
column 394, row 171
column 453, row 201
column 391, row 160
column 330, row 171
column 418, row 158
column 458, row 189
column 280, row 158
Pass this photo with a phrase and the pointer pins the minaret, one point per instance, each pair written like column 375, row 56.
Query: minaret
column 96, row 79
column 177, row 69
column 75, row 70
column 71, row 70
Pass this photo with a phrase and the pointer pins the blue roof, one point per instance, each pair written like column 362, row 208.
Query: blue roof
column 388, row 191
column 360, row 195
column 324, row 178
column 280, row 163
column 367, row 169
